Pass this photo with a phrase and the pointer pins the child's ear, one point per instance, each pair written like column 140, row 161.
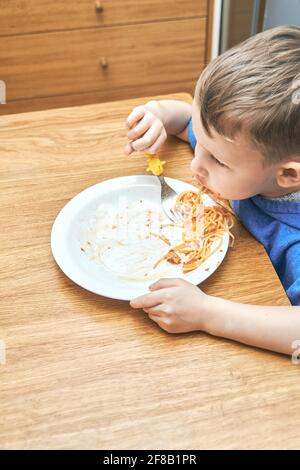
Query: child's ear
column 288, row 174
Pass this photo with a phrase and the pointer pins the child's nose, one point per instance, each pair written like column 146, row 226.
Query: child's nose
column 198, row 168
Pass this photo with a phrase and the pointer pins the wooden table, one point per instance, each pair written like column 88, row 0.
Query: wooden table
column 84, row 371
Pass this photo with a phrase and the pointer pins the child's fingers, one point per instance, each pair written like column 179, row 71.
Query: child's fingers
column 142, row 126
column 128, row 149
column 154, row 311
column 167, row 282
column 147, row 301
column 161, row 139
column 161, row 320
column 136, row 115
column 148, row 138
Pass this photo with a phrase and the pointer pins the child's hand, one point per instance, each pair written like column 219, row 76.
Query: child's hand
column 175, row 305
column 146, row 130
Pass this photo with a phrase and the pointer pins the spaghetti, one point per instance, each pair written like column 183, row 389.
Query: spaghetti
column 203, row 229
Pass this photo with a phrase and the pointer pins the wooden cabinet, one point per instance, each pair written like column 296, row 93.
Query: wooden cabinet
column 32, row 16
column 64, row 53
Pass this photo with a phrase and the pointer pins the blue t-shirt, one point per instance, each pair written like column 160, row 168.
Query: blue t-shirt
column 275, row 224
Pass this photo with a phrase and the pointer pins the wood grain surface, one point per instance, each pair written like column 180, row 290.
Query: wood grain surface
column 32, row 16
column 66, row 65
column 84, row 371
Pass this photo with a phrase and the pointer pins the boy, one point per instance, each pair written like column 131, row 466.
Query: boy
column 244, row 125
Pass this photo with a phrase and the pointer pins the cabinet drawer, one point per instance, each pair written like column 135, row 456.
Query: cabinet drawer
column 29, row 16
column 103, row 60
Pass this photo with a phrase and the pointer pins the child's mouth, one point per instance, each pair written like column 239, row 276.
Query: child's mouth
column 200, row 180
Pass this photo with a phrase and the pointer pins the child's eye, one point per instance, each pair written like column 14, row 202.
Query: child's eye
column 217, row 161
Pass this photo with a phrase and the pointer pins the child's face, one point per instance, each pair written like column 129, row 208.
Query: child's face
column 232, row 168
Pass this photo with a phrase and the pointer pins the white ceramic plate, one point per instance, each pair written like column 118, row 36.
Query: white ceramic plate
column 104, row 238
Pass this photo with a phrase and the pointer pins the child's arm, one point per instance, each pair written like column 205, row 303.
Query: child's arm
column 269, row 327
column 178, row 306
column 150, row 124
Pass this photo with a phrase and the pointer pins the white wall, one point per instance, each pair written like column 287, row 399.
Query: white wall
column 280, row 12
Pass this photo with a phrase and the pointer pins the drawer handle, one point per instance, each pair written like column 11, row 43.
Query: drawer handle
column 104, row 63
column 98, row 7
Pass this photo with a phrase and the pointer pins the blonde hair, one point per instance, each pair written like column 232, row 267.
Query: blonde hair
column 255, row 88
